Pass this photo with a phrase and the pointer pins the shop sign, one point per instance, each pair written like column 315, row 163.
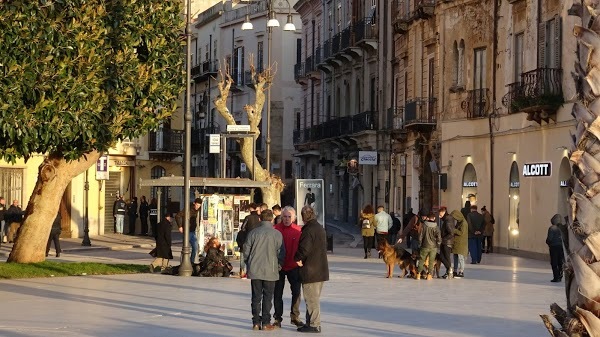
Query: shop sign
column 121, row 162
column 367, row 157
column 102, row 168
column 564, row 183
column 469, row 184
column 515, row 184
column 537, row 170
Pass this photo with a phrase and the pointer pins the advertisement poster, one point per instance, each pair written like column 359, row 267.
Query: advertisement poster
column 310, row 192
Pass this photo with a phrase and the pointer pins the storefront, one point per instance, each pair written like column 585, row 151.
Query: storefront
column 469, row 185
column 514, row 185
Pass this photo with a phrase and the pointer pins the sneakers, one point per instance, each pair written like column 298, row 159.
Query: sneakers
column 310, row 329
column 460, row 275
column 277, row 324
column 429, row 277
column 256, row 327
column 297, row 323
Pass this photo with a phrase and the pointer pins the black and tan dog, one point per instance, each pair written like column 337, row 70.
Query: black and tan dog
column 393, row 255
column 436, row 268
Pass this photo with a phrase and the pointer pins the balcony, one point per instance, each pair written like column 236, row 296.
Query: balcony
column 539, row 94
column 424, row 9
column 397, row 129
column 310, row 68
column 364, row 121
column 204, row 70
column 165, row 144
column 419, row 114
column 299, row 73
column 366, row 33
column 477, row 104
column 402, row 22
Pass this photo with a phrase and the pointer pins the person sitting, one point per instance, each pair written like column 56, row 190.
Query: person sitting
column 214, row 264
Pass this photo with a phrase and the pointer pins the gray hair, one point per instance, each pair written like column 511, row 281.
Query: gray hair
column 308, row 213
column 291, row 210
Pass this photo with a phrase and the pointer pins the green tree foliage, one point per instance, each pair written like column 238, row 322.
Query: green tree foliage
column 79, row 75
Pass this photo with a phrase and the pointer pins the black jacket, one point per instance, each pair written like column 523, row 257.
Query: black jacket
column 554, row 237
column 144, row 208
column 13, row 214
column 447, row 229
column 56, row 229
column 163, row 239
column 476, row 224
column 312, row 251
column 250, row 222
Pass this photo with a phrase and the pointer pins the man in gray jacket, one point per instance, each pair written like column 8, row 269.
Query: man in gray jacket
column 264, row 254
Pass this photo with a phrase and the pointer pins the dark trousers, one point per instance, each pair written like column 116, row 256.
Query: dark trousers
column 144, row 221
column 446, row 256
column 54, row 236
column 153, row 225
column 368, row 243
column 132, row 219
column 487, row 240
column 293, row 277
column 475, row 249
column 557, row 258
column 262, row 297
column 381, row 238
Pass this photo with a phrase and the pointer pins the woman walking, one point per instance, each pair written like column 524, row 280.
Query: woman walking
column 367, row 228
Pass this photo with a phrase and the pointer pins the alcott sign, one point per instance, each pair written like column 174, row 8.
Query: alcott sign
column 537, row 169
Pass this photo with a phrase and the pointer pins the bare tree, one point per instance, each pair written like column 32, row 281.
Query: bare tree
column 261, row 81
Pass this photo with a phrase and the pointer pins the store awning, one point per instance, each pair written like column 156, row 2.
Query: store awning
column 178, row 181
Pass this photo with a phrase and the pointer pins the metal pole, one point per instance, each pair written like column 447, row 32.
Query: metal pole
column 86, row 220
column 185, row 269
column 270, row 32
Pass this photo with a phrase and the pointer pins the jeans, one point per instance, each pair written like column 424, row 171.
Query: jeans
column 459, row 263
column 262, row 296
column 446, row 256
column 120, row 220
column 194, row 245
column 293, row 277
column 312, row 298
column 475, row 249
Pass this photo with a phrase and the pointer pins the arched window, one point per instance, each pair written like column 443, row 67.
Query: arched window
column 461, row 64
column 455, row 64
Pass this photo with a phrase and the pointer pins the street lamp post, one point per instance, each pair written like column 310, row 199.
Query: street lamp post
column 185, row 268
column 272, row 22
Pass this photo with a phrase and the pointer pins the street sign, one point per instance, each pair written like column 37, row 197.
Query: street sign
column 238, row 128
column 102, row 168
column 214, row 144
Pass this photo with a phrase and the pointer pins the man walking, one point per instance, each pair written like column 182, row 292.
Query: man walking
column 311, row 257
column 291, row 237
column 194, row 219
column 264, row 255
column 488, row 230
column 447, row 232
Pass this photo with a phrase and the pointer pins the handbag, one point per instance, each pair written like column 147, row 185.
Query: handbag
column 153, row 253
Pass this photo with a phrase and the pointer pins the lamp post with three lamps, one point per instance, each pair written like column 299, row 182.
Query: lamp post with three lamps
column 272, row 22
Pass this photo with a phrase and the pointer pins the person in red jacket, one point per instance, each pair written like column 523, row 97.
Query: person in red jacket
column 291, row 237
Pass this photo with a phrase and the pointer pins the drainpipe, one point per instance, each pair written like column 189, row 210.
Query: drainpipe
column 493, row 113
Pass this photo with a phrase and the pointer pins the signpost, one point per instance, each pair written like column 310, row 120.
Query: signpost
column 102, row 168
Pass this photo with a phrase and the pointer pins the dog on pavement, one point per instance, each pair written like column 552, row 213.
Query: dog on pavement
column 393, row 255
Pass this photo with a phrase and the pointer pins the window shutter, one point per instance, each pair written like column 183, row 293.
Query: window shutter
column 557, row 41
column 541, row 45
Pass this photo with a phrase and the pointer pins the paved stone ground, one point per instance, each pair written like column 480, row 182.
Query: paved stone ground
column 503, row 296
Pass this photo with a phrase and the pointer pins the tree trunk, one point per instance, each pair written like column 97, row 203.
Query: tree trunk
column 54, row 175
column 272, row 194
column 581, row 237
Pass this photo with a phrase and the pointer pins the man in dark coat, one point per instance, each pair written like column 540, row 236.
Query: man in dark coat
column 144, row 209
column 163, row 244
column 133, row 214
column 476, row 223
column 250, row 222
column 554, row 242
column 311, row 257
column 447, row 231
column 55, row 235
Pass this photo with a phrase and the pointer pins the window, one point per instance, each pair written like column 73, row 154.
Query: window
column 479, row 72
column 550, row 44
column 289, row 169
column 259, row 57
column 519, row 56
column 373, row 94
column 155, row 173
column 215, row 50
column 461, row 64
column 237, row 70
column 298, row 51
column 318, row 104
column 11, row 184
column 430, row 87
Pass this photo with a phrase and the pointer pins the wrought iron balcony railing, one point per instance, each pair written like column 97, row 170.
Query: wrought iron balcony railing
column 477, row 103
column 425, row 8
column 420, row 111
column 539, row 89
column 364, row 121
column 336, row 43
column 166, row 140
column 365, row 29
column 202, row 71
column 298, row 71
